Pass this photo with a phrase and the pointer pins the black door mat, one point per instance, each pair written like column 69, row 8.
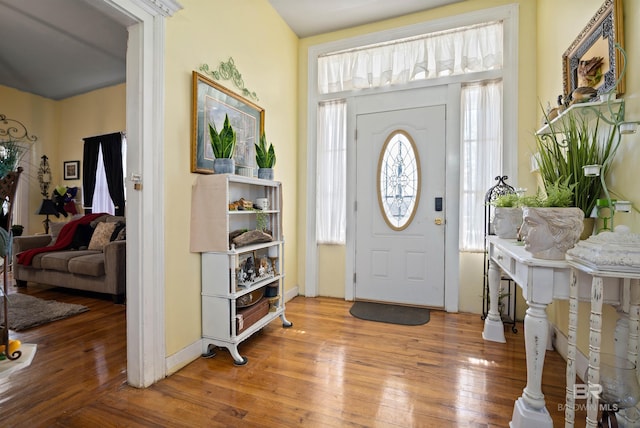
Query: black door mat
column 391, row 314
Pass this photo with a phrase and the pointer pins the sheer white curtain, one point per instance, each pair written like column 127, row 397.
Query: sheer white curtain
column 457, row 51
column 331, row 172
column 102, row 202
column 480, row 157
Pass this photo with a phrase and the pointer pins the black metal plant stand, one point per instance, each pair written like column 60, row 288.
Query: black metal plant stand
column 508, row 313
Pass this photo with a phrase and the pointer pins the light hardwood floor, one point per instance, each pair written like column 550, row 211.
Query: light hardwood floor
column 328, row 370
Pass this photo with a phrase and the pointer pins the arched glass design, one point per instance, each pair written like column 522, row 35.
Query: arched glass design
column 398, row 180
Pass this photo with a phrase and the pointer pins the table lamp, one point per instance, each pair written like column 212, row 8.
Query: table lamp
column 47, row 208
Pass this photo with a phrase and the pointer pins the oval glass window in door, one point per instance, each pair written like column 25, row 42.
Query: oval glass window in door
column 398, row 180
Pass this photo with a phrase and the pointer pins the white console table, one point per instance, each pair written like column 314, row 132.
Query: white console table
column 541, row 281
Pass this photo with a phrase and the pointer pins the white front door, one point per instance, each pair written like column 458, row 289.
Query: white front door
column 400, row 216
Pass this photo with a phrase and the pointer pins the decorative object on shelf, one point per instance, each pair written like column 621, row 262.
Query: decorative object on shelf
column 583, row 94
column 47, row 208
column 212, row 102
column 251, row 237
column 223, row 144
column 71, row 170
column 250, row 299
column 228, row 71
column 44, row 176
column 600, row 35
column 265, row 158
column 262, row 221
column 246, row 269
column 262, row 203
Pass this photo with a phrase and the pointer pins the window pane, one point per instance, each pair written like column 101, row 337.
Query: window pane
column 398, row 180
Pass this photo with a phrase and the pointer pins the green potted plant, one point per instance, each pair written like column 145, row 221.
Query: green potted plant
column 265, row 158
column 17, row 229
column 223, row 144
column 572, row 143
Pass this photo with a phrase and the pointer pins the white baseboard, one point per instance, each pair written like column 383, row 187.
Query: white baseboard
column 561, row 343
column 180, row 359
column 288, row 295
column 192, row 352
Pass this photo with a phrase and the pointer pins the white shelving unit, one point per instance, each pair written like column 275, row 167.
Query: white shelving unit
column 224, row 289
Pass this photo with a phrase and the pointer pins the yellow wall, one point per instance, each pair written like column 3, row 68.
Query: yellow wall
column 559, row 23
column 99, row 112
column 264, row 50
column 471, row 264
column 60, row 127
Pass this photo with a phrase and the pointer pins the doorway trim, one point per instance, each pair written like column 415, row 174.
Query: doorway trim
column 145, row 21
column 509, row 15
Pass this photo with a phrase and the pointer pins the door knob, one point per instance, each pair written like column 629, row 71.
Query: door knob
column 438, row 221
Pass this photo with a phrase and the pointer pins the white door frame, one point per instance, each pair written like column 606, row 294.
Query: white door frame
column 509, row 74
column 145, row 20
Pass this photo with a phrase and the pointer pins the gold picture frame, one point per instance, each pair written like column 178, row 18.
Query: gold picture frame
column 597, row 39
column 211, row 102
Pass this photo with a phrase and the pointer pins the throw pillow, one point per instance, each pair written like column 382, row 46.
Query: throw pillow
column 54, row 230
column 81, row 237
column 119, row 233
column 101, row 236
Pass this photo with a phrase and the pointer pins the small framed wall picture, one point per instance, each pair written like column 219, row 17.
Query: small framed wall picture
column 71, row 170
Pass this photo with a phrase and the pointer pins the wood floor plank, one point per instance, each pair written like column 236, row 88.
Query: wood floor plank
column 329, row 369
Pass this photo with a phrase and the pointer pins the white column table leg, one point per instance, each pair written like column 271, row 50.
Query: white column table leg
column 529, row 410
column 493, row 327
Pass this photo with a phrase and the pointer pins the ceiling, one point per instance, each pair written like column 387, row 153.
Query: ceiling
column 61, row 48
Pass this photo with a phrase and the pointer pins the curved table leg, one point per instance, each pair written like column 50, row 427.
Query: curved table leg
column 285, row 323
column 238, row 359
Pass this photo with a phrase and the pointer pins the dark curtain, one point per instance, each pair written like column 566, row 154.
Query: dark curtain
column 112, row 155
column 89, row 168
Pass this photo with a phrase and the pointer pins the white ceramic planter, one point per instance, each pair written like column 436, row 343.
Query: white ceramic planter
column 507, row 222
column 549, row 232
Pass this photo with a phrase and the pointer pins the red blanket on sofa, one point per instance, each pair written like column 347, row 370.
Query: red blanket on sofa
column 65, row 237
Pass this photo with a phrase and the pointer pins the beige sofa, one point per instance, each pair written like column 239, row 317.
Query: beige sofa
column 82, row 269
